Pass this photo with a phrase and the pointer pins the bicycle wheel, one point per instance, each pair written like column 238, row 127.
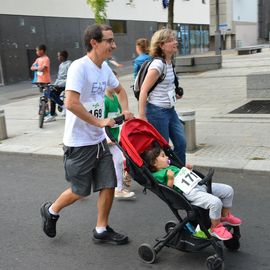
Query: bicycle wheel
column 42, row 111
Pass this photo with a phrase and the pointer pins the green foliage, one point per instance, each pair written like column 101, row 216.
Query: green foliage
column 99, row 9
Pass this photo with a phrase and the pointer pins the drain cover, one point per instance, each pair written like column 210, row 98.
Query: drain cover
column 255, row 107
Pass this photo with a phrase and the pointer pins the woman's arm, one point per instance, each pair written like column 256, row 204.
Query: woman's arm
column 123, row 100
column 150, row 79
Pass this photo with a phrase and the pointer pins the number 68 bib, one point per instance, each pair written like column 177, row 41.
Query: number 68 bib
column 186, row 180
column 96, row 108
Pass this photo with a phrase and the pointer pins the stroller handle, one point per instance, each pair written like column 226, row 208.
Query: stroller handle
column 207, row 180
column 119, row 120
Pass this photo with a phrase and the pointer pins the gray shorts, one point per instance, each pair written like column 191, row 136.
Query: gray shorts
column 89, row 165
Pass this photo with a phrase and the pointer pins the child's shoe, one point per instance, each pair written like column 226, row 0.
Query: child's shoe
column 127, row 179
column 231, row 220
column 220, row 232
column 124, row 194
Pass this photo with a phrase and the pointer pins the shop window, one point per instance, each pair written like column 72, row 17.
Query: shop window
column 119, row 27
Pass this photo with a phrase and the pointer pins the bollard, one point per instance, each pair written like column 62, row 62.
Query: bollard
column 188, row 117
column 3, row 129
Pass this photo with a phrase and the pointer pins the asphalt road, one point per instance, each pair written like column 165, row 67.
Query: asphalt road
column 27, row 181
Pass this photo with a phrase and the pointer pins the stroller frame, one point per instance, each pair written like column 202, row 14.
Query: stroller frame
column 177, row 235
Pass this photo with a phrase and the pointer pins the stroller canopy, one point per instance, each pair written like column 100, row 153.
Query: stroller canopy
column 136, row 136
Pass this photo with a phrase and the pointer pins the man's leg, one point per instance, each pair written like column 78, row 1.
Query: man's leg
column 65, row 199
column 104, row 206
column 105, row 182
column 50, row 211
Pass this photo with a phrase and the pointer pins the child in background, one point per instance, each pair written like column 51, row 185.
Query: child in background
column 113, row 109
column 218, row 203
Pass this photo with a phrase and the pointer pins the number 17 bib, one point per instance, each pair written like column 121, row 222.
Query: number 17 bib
column 186, row 180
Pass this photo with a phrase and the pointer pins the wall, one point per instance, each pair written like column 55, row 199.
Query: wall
column 142, row 10
column 246, row 34
column 60, row 24
column 19, row 40
column 245, row 10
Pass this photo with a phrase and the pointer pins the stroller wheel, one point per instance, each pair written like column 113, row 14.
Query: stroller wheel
column 147, row 253
column 232, row 244
column 214, row 263
column 170, row 225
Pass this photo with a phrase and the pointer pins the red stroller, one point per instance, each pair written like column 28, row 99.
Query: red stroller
column 136, row 136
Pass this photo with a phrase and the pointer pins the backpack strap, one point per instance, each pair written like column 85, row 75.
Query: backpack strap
column 162, row 76
column 176, row 81
column 178, row 89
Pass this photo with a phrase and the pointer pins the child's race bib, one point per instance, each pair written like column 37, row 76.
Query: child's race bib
column 186, row 180
column 95, row 108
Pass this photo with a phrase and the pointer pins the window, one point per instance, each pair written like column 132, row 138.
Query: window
column 119, row 27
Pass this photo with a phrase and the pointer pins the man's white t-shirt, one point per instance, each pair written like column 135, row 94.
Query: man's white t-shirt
column 90, row 82
column 160, row 95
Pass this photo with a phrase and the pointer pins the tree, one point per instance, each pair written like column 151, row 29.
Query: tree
column 170, row 14
column 99, row 9
column 170, row 5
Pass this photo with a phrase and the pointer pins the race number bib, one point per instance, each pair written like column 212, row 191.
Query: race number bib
column 186, row 180
column 114, row 115
column 95, row 108
column 172, row 97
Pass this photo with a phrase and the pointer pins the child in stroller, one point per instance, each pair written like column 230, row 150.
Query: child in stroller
column 218, row 203
column 136, row 137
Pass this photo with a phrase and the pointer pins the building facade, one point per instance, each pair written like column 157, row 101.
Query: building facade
column 60, row 25
column 238, row 22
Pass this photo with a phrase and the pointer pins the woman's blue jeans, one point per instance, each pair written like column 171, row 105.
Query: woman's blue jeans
column 168, row 124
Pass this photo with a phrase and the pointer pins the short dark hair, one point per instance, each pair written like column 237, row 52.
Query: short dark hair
column 94, row 31
column 64, row 54
column 42, row 47
column 150, row 154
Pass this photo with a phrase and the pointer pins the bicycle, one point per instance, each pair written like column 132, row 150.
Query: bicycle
column 47, row 93
column 43, row 102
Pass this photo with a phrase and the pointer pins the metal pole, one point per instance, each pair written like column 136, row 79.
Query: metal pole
column 217, row 33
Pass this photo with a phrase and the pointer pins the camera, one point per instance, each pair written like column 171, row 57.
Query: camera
column 179, row 91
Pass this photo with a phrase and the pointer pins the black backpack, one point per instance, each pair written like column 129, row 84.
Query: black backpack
column 142, row 73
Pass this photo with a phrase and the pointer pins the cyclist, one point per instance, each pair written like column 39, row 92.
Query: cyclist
column 59, row 85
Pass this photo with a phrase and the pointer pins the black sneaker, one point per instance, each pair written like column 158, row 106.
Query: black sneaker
column 110, row 236
column 48, row 220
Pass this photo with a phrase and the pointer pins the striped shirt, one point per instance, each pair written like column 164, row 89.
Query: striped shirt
column 159, row 96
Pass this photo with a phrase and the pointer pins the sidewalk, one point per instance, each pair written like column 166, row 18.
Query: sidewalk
column 226, row 141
